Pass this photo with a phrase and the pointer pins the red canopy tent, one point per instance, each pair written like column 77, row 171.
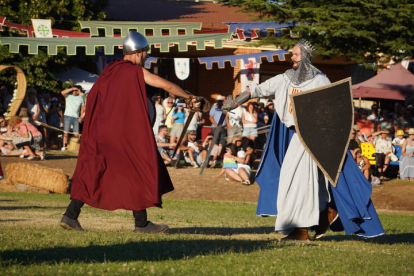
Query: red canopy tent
column 395, row 83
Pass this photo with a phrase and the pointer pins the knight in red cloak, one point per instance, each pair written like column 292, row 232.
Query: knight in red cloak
column 119, row 166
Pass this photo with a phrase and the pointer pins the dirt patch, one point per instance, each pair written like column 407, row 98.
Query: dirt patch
column 393, row 195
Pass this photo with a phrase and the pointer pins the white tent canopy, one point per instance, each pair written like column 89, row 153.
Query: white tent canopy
column 78, row 77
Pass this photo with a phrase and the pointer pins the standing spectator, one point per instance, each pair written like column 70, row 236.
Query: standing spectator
column 270, row 110
column 74, row 103
column 407, row 157
column 44, row 103
column 399, row 140
column 375, row 117
column 178, row 117
column 249, row 119
column 383, row 149
column 365, row 126
column 54, row 119
column 234, row 123
column 215, row 114
column 33, row 107
column 159, row 112
column 169, row 108
column 262, row 121
column 6, row 98
column 195, row 121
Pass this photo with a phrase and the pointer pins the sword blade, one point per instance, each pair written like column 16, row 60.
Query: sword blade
column 213, row 142
column 180, row 140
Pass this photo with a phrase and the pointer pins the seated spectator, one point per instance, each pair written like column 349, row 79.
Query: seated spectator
column 22, row 129
column 231, row 168
column 400, row 138
column 362, row 162
column 407, row 158
column 375, row 117
column 163, row 144
column 248, row 148
column 244, row 153
column 353, row 140
column 365, row 126
column 383, row 149
column 386, row 122
column 194, row 153
column 214, row 155
column 360, row 137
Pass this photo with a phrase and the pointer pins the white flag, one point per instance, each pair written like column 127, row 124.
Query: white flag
column 42, row 27
column 249, row 72
column 182, row 68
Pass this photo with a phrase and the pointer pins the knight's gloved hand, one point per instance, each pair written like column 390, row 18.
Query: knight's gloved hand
column 191, row 102
column 229, row 104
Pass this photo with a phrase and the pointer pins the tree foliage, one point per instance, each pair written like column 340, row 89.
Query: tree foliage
column 64, row 15
column 365, row 31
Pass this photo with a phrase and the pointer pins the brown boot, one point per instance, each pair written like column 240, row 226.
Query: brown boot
column 298, row 234
column 326, row 219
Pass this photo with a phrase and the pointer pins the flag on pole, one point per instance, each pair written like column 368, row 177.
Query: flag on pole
column 42, row 27
column 182, row 68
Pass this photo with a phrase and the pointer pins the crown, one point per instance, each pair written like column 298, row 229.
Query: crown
column 307, row 46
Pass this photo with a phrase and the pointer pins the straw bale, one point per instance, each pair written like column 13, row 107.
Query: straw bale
column 53, row 180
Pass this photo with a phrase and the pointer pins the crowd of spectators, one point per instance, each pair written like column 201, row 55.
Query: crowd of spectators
column 242, row 132
column 386, row 131
column 43, row 122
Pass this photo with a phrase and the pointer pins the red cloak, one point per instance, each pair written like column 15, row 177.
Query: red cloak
column 119, row 166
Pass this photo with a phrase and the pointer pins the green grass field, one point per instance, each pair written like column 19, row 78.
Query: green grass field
column 206, row 238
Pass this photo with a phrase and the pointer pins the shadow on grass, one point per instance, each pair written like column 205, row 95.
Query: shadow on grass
column 10, row 220
column 8, row 200
column 135, row 251
column 10, row 208
column 384, row 239
column 223, row 231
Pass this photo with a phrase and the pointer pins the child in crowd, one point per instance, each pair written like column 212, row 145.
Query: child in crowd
column 399, row 141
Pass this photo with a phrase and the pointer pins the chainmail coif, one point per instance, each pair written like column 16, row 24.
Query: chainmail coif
column 306, row 70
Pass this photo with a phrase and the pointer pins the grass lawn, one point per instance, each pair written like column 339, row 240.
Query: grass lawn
column 206, row 238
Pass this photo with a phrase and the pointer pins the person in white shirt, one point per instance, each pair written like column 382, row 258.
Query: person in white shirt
column 234, row 123
column 399, row 140
column 383, row 149
column 194, row 153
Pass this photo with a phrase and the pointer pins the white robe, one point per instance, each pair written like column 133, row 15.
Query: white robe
column 301, row 196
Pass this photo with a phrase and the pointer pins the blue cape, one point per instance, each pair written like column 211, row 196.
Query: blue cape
column 352, row 195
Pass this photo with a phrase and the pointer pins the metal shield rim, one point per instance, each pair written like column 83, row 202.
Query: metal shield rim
column 333, row 181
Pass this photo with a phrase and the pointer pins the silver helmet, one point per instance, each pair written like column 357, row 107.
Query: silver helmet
column 135, row 42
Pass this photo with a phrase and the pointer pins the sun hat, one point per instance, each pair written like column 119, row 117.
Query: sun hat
column 400, row 132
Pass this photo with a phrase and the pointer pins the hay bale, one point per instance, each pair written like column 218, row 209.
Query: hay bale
column 53, row 180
